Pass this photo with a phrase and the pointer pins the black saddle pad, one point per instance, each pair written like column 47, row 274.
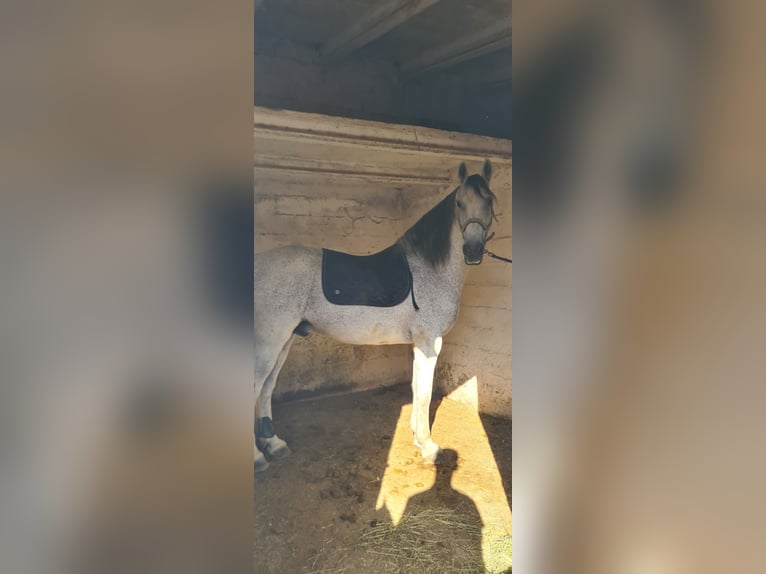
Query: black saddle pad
column 379, row 280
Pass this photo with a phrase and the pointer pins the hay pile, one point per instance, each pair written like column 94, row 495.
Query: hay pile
column 428, row 541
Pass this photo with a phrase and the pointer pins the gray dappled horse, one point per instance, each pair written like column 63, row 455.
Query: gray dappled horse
column 291, row 297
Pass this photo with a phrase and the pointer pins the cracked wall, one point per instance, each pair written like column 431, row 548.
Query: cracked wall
column 357, row 190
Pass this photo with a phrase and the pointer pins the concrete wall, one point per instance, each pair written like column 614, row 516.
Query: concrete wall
column 475, row 363
column 356, row 186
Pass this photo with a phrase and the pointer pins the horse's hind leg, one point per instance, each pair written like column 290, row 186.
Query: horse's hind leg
column 268, row 442
column 267, row 354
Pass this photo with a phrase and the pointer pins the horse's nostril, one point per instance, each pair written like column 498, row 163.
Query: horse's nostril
column 473, row 251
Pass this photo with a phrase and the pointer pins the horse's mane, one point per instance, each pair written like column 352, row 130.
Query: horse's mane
column 430, row 236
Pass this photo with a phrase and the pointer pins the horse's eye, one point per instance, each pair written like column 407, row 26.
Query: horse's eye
column 460, row 204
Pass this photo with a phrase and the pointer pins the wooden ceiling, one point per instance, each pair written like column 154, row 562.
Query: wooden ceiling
column 435, row 63
column 418, row 36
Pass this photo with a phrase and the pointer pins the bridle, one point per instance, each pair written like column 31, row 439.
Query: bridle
column 486, row 238
column 476, row 220
column 485, row 228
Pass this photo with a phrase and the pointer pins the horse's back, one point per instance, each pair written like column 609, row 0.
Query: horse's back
column 292, row 255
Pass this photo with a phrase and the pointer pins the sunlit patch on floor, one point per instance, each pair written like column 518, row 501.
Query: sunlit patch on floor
column 471, row 481
column 315, row 511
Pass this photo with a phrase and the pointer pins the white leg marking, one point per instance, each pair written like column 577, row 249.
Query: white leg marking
column 414, row 414
column 424, row 364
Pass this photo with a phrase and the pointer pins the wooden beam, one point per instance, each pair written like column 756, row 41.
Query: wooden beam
column 303, row 134
column 384, row 17
column 461, row 50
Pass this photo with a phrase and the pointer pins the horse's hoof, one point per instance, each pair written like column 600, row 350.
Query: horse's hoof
column 274, row 447
column 260, row 464
column 431, row 453
column 280, row 452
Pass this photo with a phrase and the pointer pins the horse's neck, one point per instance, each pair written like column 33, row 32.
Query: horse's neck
column 453, row 271
column 456, row 262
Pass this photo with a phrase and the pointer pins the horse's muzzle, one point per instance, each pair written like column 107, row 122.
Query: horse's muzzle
column 473, row 253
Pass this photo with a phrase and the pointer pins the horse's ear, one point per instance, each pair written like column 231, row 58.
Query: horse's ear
column 487, row 170
column 462, row 172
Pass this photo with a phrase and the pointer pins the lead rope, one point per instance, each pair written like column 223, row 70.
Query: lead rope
column 493, row 255
column 488, row 252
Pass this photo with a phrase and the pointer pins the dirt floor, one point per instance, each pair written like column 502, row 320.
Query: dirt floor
column 355, row 496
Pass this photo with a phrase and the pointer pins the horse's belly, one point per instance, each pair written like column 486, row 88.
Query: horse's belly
column 376, row 333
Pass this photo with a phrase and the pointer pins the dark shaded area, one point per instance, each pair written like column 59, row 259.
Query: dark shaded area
column 326, row 489
column 471, row 94
column 500, row 434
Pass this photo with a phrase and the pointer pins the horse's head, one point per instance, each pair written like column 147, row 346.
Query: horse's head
column 474, row 211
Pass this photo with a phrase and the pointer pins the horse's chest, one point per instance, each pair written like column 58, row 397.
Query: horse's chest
column 440, row 308
column 450, row 317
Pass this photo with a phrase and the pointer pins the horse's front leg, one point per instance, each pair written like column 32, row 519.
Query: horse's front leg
column 426, row 351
